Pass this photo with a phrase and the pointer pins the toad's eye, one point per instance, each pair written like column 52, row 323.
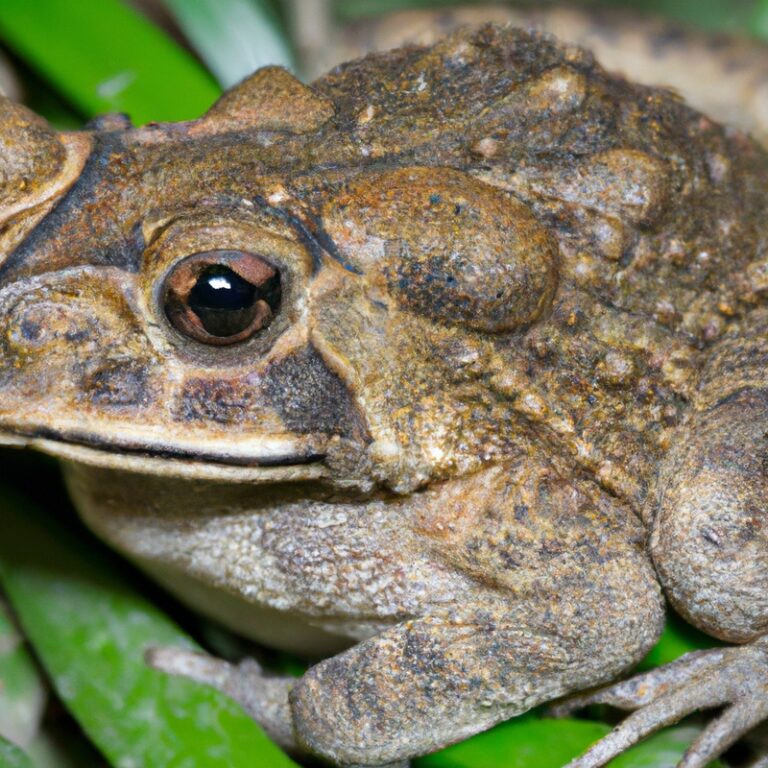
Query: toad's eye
column 222, row 297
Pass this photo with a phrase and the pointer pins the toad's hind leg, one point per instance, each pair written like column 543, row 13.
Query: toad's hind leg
column 562, row 597
column 430, row 682
column 568, row 599
column 710, row 531
column 710, row 547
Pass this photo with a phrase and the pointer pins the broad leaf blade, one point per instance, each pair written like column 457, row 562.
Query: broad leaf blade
column 104, row 57
column 356, row 9
column 759, row 23
column 520, row 743
column 91, row 630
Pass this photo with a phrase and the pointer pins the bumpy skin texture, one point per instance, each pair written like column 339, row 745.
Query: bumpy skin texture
column 722, row 75
column 520, row 297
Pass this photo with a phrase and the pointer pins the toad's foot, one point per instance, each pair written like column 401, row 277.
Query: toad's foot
column 263, row 697
column 737, row 677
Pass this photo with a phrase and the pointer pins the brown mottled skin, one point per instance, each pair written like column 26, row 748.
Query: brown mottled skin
column 514, row 387
column 722, row 75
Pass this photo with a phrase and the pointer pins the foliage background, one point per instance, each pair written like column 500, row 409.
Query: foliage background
column 77, row 618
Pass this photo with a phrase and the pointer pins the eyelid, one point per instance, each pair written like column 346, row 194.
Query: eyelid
column 214, row 212
column 152, row 228
column 176, row 237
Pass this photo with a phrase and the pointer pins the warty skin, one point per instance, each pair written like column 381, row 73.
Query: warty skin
column 512, row 390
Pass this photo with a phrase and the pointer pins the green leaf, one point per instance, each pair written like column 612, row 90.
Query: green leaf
column 12, row 757
column 718, row 15
column 528, row 741
column 678, row 638
column 660, row 750
column 90, row 630
column 520, row 743
column 104, row 57
column 357, row 9
column 234, row 37
column 759, row 22
column 22, row 691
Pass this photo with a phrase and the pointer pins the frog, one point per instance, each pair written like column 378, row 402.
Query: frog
column 445, row 371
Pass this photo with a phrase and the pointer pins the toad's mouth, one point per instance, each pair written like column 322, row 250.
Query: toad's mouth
column 251, row 458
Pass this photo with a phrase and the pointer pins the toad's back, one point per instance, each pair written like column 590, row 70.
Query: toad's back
column 656, row 211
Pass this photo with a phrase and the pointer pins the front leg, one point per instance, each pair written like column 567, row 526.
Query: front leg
column 264, row 697
column 428, row 682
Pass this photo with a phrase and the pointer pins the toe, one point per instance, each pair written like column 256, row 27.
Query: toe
column 724, row 731
column 641, row 690
column 191, row 664
column 666, row 710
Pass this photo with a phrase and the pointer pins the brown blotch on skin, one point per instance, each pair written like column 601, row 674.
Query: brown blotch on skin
column 214, row 400
column 310, row 398
column 118, row 383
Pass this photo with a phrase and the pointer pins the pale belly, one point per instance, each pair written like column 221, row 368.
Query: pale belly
column 278, row 629
column 301, row 575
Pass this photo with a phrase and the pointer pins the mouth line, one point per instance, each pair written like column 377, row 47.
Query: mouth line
column 117, row 447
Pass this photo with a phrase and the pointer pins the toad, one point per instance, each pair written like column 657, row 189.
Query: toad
column 445, row 369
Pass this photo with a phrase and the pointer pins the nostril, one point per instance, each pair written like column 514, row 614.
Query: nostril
column 43, row 324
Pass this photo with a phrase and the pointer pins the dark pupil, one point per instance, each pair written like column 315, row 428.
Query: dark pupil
column 226, row 303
